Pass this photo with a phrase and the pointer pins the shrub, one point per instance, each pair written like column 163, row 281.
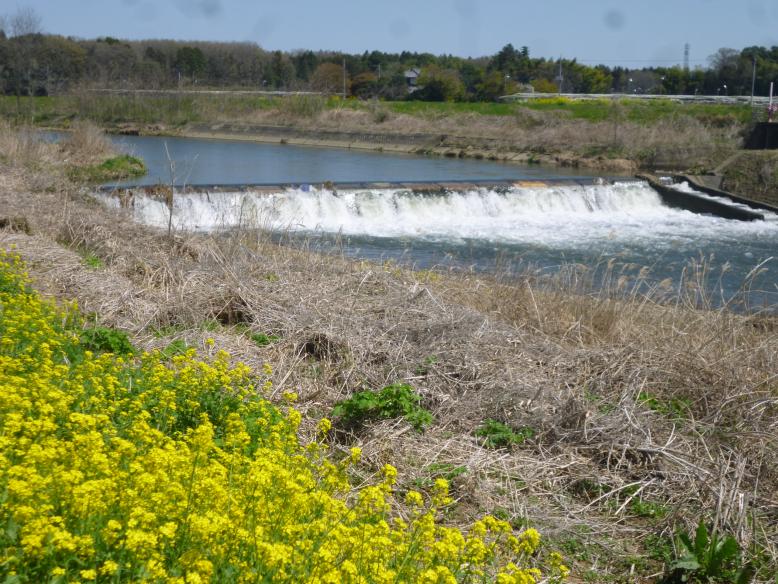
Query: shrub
column 392, row 401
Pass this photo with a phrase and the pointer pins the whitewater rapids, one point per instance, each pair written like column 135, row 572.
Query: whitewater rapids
column 555, row 216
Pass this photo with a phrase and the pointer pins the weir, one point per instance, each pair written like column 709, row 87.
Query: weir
column 415, row 186
column 508, row 210
column 696, row 203
column 670, row 196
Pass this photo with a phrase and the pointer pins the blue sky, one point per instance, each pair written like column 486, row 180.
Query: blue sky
column 615, row 32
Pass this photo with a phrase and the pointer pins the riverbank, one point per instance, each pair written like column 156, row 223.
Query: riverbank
column 449, row 146
column 754, row 174
column 609, row 135
column 606, row 420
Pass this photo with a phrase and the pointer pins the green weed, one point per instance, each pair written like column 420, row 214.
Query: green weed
column 710, row 557
column 499, row 435
column 175, row 348
column 119, row 167
column 263, row 340
column 424, row 367
column 100, row 339
column 676, row 408
column 169, row 330
column 442, row 470
column 93, row 261
column 393, row 401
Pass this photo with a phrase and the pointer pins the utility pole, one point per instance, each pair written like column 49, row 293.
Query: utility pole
column 560, row 77
column 344, row 78
column 753, row 81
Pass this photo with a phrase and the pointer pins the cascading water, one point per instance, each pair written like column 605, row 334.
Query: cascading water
column 563, row 215
column 544, row 225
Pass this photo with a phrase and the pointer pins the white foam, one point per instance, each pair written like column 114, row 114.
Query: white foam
column 556, row 216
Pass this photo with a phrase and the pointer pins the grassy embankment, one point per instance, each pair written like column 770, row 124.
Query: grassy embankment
column 89, row 156
column 755, row 175
column 605, row 133
column 607, row 421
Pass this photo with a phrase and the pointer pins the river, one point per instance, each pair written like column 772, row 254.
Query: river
column 507, row 230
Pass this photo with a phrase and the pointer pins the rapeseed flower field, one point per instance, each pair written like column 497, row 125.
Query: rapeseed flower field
column 133, row 467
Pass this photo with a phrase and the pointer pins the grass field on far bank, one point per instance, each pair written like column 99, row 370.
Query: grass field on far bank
column 593, row 110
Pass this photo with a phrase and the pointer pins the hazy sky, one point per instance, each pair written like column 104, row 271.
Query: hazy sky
column 615, row 32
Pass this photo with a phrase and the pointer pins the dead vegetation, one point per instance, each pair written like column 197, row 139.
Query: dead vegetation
column 646, row 414
column 754, row 174
column 677, row 142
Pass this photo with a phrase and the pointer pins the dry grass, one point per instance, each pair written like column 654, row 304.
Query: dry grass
column 632, row 398
column 23, row 147
column 677, row 142
column 754, row 174
column 88, row 143
column 31, row 162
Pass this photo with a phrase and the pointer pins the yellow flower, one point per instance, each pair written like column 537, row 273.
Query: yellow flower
column 105, row 457
column 323, row 427
column 414, row 499
column 109, row 568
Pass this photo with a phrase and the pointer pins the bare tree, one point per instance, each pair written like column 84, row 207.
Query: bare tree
column 22, row 26
column 24, row 21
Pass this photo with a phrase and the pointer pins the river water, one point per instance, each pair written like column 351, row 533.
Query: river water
column 208, row 162
column 542, row 228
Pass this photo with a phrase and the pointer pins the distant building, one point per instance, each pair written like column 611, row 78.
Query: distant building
column 412, row 79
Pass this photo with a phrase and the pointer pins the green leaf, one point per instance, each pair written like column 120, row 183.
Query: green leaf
column 701, row 540
column 745, row 574
column 723, row 551
column 686, row 562
column 685, row 542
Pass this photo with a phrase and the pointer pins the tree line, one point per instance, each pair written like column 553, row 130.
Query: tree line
column 35, row 63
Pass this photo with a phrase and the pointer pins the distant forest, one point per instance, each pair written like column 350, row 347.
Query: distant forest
column 34, row 63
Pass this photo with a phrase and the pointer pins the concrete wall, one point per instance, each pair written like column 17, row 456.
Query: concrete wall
column 764, row 136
